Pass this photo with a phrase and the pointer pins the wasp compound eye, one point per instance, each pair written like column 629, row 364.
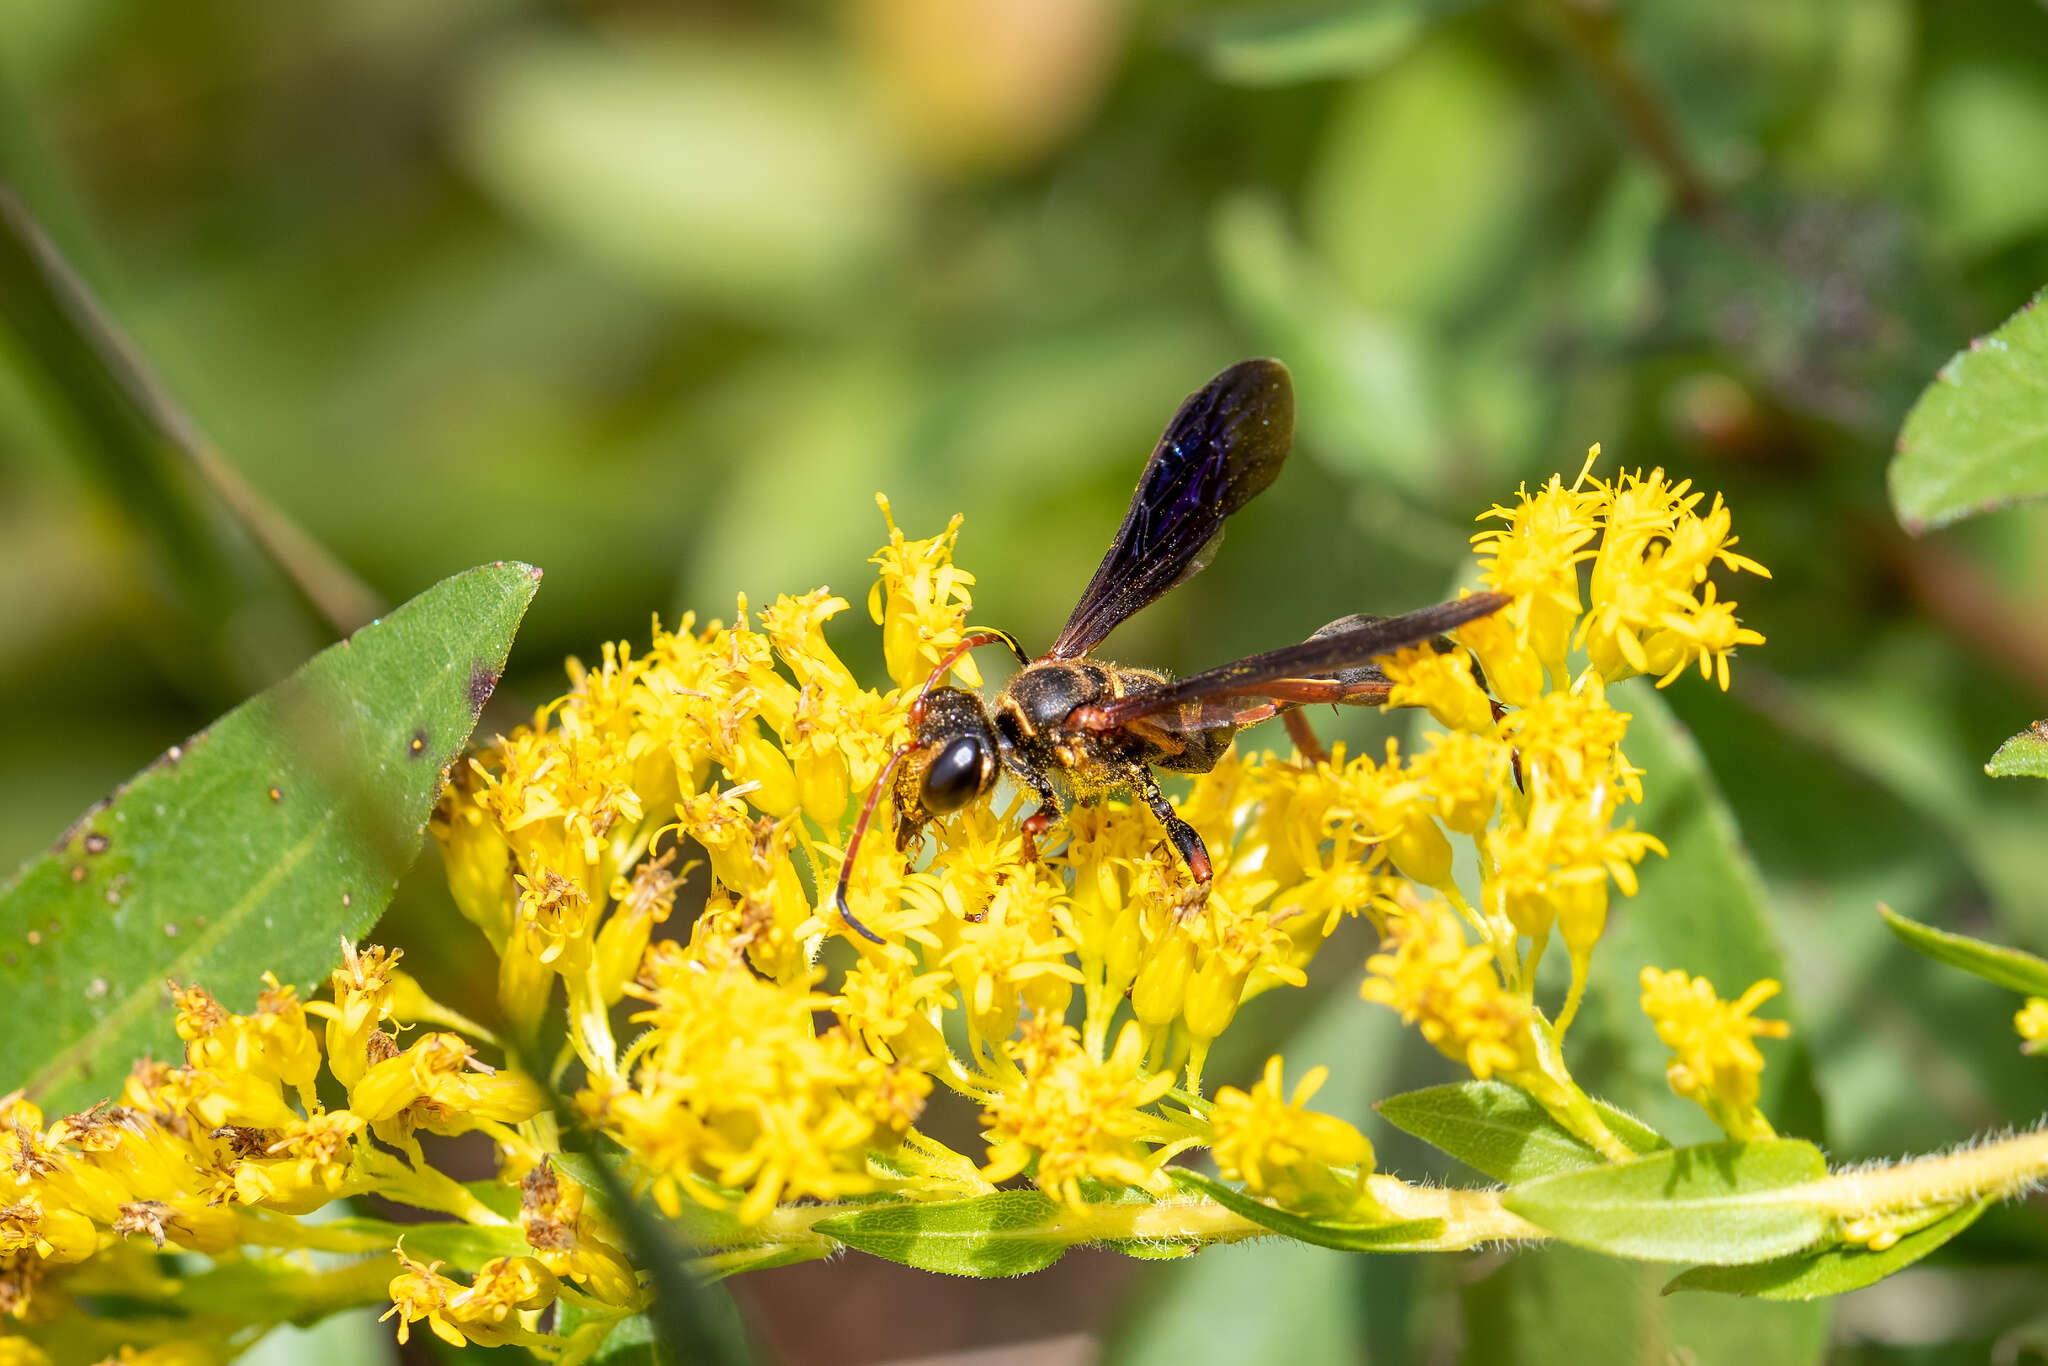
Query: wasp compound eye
column 955, row 776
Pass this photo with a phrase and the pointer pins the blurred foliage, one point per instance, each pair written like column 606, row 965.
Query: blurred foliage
column 657, row 297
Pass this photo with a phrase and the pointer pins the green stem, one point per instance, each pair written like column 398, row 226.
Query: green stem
column 1988, row 1171
column 1552, row 1087
column 1591, row 29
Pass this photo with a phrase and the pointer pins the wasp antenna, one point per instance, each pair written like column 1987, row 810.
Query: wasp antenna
column 860, row 829
column 974, row 641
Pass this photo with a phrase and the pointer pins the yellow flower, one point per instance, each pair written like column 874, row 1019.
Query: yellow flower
column 439, row 1085
column 1655, row 554
column 1441, row 681
column 19, row 1351
column 483, row 1312
column 362, row 987
column 1715, row 1059
column 921, row 602
column 307, row 1165
column 1287, row 1153
column 55, row 1235
column 2032, row 1024
column 734, row 1091
column 1083, row 1118
column 1430, row 975
column 570, row 1241
column 1536, row 557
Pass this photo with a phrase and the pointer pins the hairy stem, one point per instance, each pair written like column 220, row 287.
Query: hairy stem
column 1993, row 1170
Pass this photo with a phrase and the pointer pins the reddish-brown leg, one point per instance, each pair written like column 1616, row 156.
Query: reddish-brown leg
column 1304, row 737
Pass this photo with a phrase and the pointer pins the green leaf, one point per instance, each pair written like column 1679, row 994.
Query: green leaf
column 2013, row 969
column 1978, row 438
column 1497, row 1129
column 1702, row 910
column 1343, row 1236
column 1559, row 1306
column 1008, row 1233
column 255, row 846
column 1834, row 1271
column 1718, row 1202
column 2023, row 756
column 719, row 1266
column 1285, row 46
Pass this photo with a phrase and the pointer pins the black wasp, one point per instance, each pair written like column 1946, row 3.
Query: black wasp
column 1084, row 727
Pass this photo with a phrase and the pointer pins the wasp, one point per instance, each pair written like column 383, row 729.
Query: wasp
column 1072, row 728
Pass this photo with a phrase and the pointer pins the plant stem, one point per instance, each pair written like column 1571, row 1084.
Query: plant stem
column 1593, row 32
column 1994, row 1170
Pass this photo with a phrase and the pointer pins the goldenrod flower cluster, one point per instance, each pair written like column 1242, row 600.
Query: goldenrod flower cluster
column 212, row 1157
column 1713, row 1042
column 1072, row 1000
column 1530, row 769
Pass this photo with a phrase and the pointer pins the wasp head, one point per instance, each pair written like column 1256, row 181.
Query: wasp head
column 957, row 752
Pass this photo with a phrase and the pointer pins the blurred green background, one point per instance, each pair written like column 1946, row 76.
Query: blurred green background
column 658, row 297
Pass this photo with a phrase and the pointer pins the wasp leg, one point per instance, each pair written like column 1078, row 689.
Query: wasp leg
column 1305, row 738
column 1048, row 810
column 1192, row 851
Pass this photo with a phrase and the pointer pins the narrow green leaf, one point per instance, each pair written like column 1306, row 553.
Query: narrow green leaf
column 2014, row 969
column 134, row 424
column 1270, row 46
column 1719, row 1203
column 1702, row 910
column 2023, row 756
column 1835, row 1271
column 719, row 1266
column 1497, row 1129
column 1978, row 438
column 1008, row 1233
column 1407, row 1235
column 254, row 846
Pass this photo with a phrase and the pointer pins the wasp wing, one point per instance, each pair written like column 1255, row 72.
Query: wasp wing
column 1225, row 444
column 1332, row 665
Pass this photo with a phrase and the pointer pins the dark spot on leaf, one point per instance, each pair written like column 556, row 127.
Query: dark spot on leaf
column 483, row 680
column 418, row 744
column 2040, row 728
column 96, row 843
column 71, row 830
column 78, row 872
column 12, row 959
column 35, row 937
column 276, row 794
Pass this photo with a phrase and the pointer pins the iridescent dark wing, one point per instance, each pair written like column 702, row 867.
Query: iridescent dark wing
column 1225, row 444
column 1332, row 665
